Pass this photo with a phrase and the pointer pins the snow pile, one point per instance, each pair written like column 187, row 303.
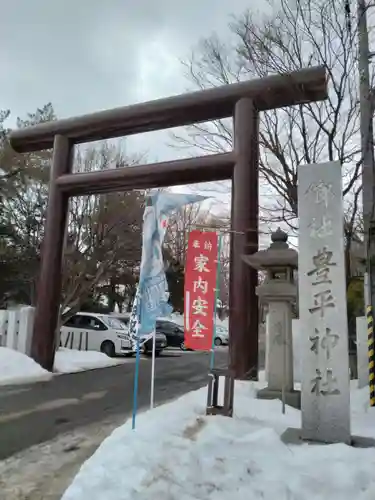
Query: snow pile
column 179, row 319
column 178, row 453
column 17, row 368
column 72, row 360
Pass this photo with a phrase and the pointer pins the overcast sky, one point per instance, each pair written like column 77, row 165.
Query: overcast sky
column 88, row 55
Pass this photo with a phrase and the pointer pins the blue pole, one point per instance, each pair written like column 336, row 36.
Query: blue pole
column 212, row 359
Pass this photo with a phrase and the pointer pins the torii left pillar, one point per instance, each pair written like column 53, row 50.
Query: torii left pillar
column 44, row 346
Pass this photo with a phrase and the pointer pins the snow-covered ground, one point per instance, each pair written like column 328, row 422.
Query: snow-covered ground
column 17, row 368
column 44, row 471
column 177, row 453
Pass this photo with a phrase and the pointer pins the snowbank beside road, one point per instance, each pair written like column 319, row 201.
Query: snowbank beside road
column 17, row 368
column 204, row 458
column 72, row 361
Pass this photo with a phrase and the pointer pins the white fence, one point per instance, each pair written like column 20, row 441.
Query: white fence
column 16, row 328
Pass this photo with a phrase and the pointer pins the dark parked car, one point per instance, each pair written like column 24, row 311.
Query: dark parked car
column 161, row 343
column 160, row 339
column 173, row 332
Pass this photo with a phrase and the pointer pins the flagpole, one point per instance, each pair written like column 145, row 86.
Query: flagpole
column 212, row 359
column 135, row 387
column 153, row 369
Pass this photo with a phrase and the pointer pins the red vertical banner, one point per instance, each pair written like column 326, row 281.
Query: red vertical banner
column 200, row 284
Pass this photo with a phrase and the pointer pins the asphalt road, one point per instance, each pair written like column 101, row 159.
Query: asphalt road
column 32, row 414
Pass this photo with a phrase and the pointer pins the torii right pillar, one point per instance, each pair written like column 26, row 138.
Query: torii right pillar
column 243, row 306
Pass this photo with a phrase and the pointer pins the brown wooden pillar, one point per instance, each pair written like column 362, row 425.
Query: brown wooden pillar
column 244, row 314
column 49, row 288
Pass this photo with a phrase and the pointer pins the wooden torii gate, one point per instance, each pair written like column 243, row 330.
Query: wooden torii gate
column 243, row 101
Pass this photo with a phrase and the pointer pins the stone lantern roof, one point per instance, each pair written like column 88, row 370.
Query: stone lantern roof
column 277, row 254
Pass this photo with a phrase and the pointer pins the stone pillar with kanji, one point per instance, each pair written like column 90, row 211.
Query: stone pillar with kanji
column 279, row 292
column 322, row 304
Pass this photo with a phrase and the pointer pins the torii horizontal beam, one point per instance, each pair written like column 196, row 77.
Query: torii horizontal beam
column 276, row 91
column 153, row 175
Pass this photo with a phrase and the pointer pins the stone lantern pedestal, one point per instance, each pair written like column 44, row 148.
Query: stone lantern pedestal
column 279, row 292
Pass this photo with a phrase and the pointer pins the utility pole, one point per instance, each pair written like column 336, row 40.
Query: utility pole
column 367, row 148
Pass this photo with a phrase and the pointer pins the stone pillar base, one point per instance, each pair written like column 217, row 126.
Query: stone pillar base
column 296, row 437
column 292, row 398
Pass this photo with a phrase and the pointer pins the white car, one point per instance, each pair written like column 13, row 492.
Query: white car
column 221, row 336
column 96, row 332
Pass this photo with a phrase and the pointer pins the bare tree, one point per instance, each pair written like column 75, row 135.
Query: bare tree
column 180, row 223
column 23, row 196
column 297, row 34
column 221, row 223
column 104, row 236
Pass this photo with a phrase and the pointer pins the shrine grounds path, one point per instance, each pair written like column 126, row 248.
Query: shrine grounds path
column 36, row 413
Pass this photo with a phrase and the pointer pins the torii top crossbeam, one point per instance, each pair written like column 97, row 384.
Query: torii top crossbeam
column 276, row 91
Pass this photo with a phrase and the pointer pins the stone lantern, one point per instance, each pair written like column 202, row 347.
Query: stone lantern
column 278, row 292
